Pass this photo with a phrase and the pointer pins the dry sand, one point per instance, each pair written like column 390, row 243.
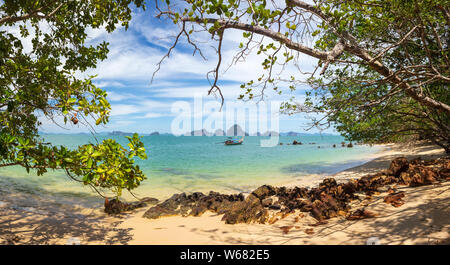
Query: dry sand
column 423, row 219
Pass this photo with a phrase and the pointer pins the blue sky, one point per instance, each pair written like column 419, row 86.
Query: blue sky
column 141, row 106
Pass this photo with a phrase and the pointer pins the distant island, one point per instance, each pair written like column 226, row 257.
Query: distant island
column 120, row 133
column 234, row 130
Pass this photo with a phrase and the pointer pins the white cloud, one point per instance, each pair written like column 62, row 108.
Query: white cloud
column 153, row 115
column 130, row 58
column 114, row 96
column 103, row 84
column 132, row 61
column 139, row 105
column 122, row 109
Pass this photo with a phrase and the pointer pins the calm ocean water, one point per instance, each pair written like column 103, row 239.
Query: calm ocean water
column 201, row 163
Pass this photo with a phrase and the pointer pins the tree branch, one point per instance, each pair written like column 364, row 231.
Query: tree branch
column 225, row 24
column 33, row 14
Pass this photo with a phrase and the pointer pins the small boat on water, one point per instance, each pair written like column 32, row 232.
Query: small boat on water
column 234, row 141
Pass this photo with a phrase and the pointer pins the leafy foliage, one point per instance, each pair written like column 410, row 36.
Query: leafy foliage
column 40, row 81
column 384, row 64
column 411, row 38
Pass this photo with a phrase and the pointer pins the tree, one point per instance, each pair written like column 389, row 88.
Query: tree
column 41, row 81
column 384, row 67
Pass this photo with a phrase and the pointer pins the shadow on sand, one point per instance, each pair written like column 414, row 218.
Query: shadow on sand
column 416, row 223
column 26, row 220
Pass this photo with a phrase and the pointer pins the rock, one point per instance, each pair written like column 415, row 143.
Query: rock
column 328, row 184
column 324, row 209
column 395, row 199
column 158, row 211
column 398, row 165
column 264, row 191
column 326, row 201
column 306, row 206
column 371, row 183
column 275, row 207
column 194, row 204
column 286, row 229
column 350, row 145
column 115, row 206
column 198, row 210
column 248, row 211
column 296, row 143
column 267, row 202
column 345, row 192
column 350, row 187
column 391, row 180
column 444, row 173
column 361, row 214
column 422, row 176
column 418, row 175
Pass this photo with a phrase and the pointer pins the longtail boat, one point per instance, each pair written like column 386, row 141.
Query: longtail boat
column 234, row 141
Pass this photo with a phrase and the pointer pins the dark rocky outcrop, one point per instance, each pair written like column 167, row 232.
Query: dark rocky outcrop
column 115, row 206
column 248, row 211
column 159, row 211
column 193, row 204
column 264, row 191
column 267, row 204
column 395, row 199
column 398, row 165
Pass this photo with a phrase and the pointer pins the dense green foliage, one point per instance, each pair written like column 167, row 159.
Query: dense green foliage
column 40, row 81
column 383, row 69
column 360, row 101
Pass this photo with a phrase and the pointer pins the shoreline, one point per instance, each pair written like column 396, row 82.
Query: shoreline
column 428, row 213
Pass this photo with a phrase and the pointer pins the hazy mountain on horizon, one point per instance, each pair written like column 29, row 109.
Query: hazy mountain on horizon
column 234, row 130
column 202, row 132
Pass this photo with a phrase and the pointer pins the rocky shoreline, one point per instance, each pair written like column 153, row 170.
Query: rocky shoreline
column 268, row 204
column 403, row 214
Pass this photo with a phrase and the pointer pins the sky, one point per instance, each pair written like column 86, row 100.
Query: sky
column 140, row 105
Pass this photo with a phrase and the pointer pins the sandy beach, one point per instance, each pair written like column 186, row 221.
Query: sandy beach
column 424, row 218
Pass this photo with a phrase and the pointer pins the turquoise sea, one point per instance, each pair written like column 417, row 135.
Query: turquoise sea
column 200, row 163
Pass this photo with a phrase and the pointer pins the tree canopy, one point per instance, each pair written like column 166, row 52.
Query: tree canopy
column 383, row 65
column 41, row 81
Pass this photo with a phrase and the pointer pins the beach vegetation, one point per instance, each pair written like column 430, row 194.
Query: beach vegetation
column 43, row 53
column 382, row 66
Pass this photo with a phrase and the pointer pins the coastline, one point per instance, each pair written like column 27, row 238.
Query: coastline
column 423, row 219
